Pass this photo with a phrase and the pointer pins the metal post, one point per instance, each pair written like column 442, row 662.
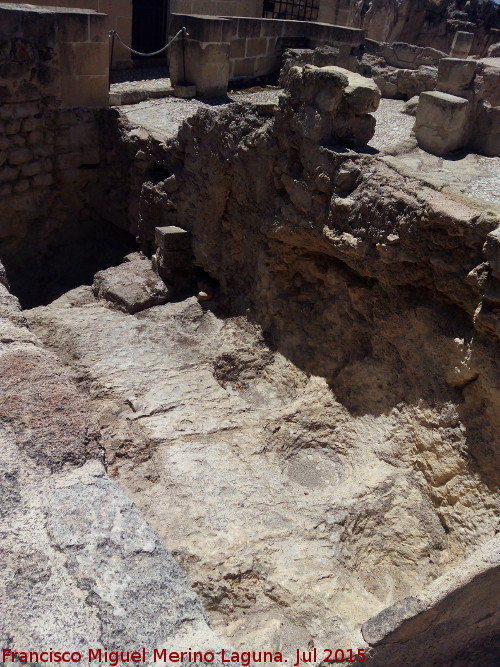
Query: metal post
column 112, row 34
column 184, row 54
column 166, row 13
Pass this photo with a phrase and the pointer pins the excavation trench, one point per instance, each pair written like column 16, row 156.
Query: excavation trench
column 317, row 441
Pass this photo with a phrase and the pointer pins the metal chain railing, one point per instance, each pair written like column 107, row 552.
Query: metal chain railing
column 113, row 34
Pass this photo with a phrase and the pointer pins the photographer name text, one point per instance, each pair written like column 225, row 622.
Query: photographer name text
column 143, row 656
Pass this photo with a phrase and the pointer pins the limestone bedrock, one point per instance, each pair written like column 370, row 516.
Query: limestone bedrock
column 81, row 568
column 323, row 442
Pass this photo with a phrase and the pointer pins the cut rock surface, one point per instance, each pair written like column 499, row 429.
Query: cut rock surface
column 80, row 567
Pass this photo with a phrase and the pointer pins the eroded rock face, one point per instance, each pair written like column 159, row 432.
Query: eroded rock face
column 329, row 104
column 329, row 431
column 80, row 566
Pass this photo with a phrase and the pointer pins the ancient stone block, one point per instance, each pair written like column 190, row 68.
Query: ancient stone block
column 237, row 48
column 410, row 107
column 35, row 138
column 174, row 259
column 131, row 286
column 256, row 47
column 172, row 238
column 266, row 65
column 27, row 109
column 43, row 180
column 84, row 58
column 44, row 150
column 8, row 174
column 456, row 76
column 12, row 127
column 441, row 122
column 21, row 186
column 68, row 160
column 17, row 141
column 489, row 70
column 20, row 156
column 248, row 27
column 92, row 91
column 185, row 91
column 486, row 132
column 31, row 169
column 375, row 629
column 462, row 43
column 207, row 66
column 271, row 28
column 31, row 124
column 411, row 82
column 204, row 29
column 244, row 67
column 362, row 94
column 331, row 104
column 74, row 27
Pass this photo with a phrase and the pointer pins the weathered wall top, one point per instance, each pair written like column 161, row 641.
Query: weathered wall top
column 54, row 52
column 118, row 17
column 44, row 9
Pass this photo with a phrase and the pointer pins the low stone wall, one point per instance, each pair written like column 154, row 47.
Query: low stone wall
column 258, row 44
column 59, row 56
column 50, row 59
column 217, row 7
column 400, row 54
column 402, row 70
column 220, row 49
column 119, row 18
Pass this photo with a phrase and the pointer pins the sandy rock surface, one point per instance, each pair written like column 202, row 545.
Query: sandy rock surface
column 293, row 519
column 80, row 566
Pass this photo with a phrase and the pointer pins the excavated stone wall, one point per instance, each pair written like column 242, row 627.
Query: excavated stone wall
column 53, row 197
column 423, row 22
column 334, row 210
column 315, row 445
column 400, row 70
column 337, row 404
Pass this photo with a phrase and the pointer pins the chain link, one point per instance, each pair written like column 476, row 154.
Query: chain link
column 113, row 33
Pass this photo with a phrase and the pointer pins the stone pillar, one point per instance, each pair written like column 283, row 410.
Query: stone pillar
column 205, row 61
column 462, row 44
column 173, row 260
column 442, row 122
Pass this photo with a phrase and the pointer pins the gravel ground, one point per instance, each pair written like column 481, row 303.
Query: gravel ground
column 392, row 127
column 163, row 117
column 268, row 95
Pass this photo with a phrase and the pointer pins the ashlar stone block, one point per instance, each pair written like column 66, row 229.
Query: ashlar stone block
column 441, row 122
column 172, row 238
